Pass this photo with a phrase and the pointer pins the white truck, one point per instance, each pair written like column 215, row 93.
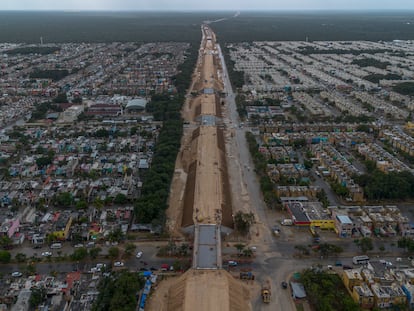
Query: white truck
column 287, row 222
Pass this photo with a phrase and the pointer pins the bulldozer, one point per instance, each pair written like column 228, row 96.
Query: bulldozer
column 266, row 293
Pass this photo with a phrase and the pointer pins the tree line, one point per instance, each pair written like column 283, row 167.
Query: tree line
column 54, row 74
column 43, row 50
column 260, row 165
column 378, row 185
column 151, row 206
column 236, row 77
column 119, row 292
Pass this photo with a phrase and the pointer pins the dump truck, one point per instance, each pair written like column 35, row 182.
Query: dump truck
column 266, row 292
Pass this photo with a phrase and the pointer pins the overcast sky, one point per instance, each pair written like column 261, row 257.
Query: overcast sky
column 121, row 5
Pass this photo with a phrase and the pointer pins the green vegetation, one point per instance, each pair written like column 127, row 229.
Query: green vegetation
column 325, row 26
column 43, row 50
column 366, row 62
column 365, row 244
column 94, row 252
column 5, row 256
column 326, row 291
column 186, row 69
column 323, row 198
column 236, row 77
column 113, row 252
column 54, row 74
column 37, row 297
column 241, row 106
column 151, row 206
column 339, row 189
column 376, row 77
column 311, row 50
column 153, row 201
column 260, row 164
column 243, row 222
column 407, row 244
column 347, row 118
column 118, row 292
column 185, row 26
column 326, row 250
column 94, row 27
column 394, row 185
column 79, row 254
column 41, row 109
column 405, row 88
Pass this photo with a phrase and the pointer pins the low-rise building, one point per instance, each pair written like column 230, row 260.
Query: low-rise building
column 363, row 296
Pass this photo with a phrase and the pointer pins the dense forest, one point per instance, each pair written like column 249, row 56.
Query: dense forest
column 54, row 74
column 185, row 26
column 315, row 26
column 394, row 185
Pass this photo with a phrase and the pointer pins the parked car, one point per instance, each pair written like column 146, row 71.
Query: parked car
column 90, row 244
column 56, row 245
column 139, row 254
column 118, row 264
column 232, row 263
column 16, row 274
column 78, row 245
column 46, row 254
column 284, row 285
column 346, row 267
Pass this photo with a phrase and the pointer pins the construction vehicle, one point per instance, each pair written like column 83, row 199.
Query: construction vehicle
column 246, row 276
column 266, row 292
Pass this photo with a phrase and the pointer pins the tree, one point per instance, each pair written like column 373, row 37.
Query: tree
column 94, row 252
column 116, row 235
column 365, row 244
column 129, row 249
column 98, row 203
column 43, row 161
column 79, row 254
column 81, row 204
column 51, row 237
column 118, row 292
column 247, row 252
column 326, row 291
column 243, row 222
column 120, row 199
column 31, row 268
column 239, row 248
column 20, row 257
column 326, row 249
column 37, row 297
column 64, row 199
column 406, row 243
column 5, row 241
column 113, row 252
column 5, row 256
column 61, row 98
column 183, row 249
